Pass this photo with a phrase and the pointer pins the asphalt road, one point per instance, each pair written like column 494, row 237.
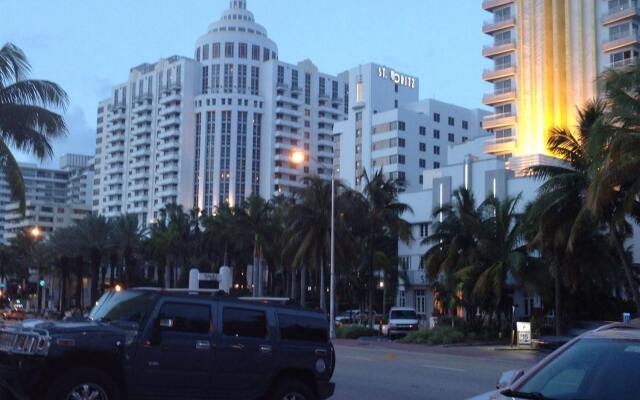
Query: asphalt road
column 380, row 371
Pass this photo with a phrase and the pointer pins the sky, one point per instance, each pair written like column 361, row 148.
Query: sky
column 87, row 46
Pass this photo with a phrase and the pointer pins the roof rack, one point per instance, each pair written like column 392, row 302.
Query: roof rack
column 201, row 292
column 276, row 300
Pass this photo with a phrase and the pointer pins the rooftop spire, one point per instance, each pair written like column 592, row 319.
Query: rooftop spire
column 238, row 4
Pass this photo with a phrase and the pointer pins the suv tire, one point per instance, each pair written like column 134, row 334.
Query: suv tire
column 85, row 382
column 293, row 389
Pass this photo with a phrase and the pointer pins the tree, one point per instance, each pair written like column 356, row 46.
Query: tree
column 93, row 234
column 126, row 238
column 26, row 123
column 560, row 211
column 255, row 213
column 384, row 221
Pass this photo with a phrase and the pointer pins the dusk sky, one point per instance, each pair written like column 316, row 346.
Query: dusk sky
column 87, row 45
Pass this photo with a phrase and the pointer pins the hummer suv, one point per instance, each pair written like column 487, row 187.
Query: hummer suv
column 172, row 344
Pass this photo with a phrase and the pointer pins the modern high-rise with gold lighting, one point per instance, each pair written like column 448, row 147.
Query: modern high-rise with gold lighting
column 547, row 56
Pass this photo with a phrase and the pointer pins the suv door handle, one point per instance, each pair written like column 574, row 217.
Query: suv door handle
column 203, row 345
column 265, row 349
column 237, row 346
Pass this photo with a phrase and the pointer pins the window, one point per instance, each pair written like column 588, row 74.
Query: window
column 401, row 159
column 503, row 133
column 436, row 134
column 402, row 301
column 255, row 53
column 420, row 301
column 401, row 125
column 359, row 116
column 423, row 147
column 205, row 52
column 401, row 142
column 436, row 149
column 502, row 38
column 452, row 137
column 242, row 50
column 464, row 139
column 465, row 125
column 405, row 262
column 215, row 50
column 266, row 54
column 255, row 80
column 423, row 131
column 424, row 230
column 452, row 121
column 421, row 179
column 395, row 103
column 187, row 318
column 237, row 322
column 280, row 75
column 303, row 329
column 502, row 62
column 436, row 164
column 422, row 163
column 436, row 117
column 503, row 110
column 228, row 50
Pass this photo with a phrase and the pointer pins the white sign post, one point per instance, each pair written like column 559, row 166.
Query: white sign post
column 524, row 333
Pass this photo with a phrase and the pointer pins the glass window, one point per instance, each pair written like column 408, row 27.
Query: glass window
column 215, row 50
column 590, row 369
column 436, row 117
column 436, row 134
column 452, row 121
column 423, row 131
column 255, row 53
column 228, row 50
column 123, row 306
column 242, row 50
column 303, row 329
column 188, row 318
column 239, row 322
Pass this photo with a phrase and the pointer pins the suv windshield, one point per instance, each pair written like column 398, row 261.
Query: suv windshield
column 590, row 369
column 403, row 314
column 132, row 306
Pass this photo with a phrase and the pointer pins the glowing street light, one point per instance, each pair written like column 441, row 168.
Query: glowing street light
column 35, row 232
column 118, row 288
column 297, row 157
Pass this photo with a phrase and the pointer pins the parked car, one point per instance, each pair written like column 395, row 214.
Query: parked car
column 348, row 316
column 172, row 344
column 601, row 364
column 402, row 320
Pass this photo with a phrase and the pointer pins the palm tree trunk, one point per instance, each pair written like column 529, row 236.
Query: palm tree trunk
column 255, row 273
column 371, row 289
column 323, row 292
column 558, row 297
column 631, row 281
column 293, row 283
column 303, row 286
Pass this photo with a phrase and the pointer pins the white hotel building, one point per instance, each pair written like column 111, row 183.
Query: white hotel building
column 389, row 128
column 214, row 129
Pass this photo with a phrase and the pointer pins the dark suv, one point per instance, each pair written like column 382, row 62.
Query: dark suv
column 171, row 344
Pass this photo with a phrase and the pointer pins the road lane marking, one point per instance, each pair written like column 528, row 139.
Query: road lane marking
column 444, row 368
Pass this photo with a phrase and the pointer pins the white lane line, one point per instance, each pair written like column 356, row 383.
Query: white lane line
column 444, row 368
column 356, row 358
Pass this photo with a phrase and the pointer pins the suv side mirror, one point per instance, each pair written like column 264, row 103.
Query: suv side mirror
column 508, row 378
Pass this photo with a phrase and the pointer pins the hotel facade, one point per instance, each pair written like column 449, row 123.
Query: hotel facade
column 217, row 128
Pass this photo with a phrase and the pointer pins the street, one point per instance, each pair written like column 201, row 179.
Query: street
column 379, row 371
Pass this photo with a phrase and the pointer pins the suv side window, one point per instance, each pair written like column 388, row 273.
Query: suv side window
column 303, row 329
column 187, row 318
column 239, row 322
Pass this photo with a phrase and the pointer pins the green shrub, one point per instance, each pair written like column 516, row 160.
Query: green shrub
column 354, row 332
column 438, row 335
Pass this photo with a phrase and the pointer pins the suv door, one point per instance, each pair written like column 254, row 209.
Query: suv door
column 244, row 358
column 175, row 360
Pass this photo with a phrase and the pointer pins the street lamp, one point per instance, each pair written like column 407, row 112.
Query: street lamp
column 35, row 232
column 298, row 157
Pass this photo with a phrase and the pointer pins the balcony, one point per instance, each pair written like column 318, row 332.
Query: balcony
column 499, row 96
column 141, row 152
column 169, row 145
column 499, row 120
column 141, row 140
column 141, row 130
column 619, row 14
column 499, row 73
column 139, row 185
column 617, row 42
column 289, row 123
column 141, row 163
column 171, row 121
column 170, row 156
column 288, row 99
column 503, row 145
column 489, row 5
column 169, row 134
column 623, row 63
column 142, row 119
column 490, row 27
column 169, row 180
column 171, row 109
column 498, row 49
column 170, row 96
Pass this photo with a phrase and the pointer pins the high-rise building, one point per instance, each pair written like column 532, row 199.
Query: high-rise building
column 55, row 198
column 215, row 129
column 388, row 128
column 547, row 56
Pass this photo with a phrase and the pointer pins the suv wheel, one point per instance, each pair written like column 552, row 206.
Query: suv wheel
column 84, row 384
column 289, row 389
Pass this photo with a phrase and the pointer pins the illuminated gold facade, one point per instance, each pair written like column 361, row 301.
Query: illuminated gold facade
column 547, row 55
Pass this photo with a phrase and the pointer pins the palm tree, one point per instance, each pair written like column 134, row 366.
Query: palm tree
column 559, row 211
column 454, row 248
column 26, row 124
column 384, row 222
column 126, row 238
column 310, row 230
column 255, row 212
column 93, row 233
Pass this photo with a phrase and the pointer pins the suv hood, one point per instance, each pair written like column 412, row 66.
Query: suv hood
column 74, row 327
column 403, row 321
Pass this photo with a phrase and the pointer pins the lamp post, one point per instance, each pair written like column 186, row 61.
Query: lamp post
column 298, row 157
